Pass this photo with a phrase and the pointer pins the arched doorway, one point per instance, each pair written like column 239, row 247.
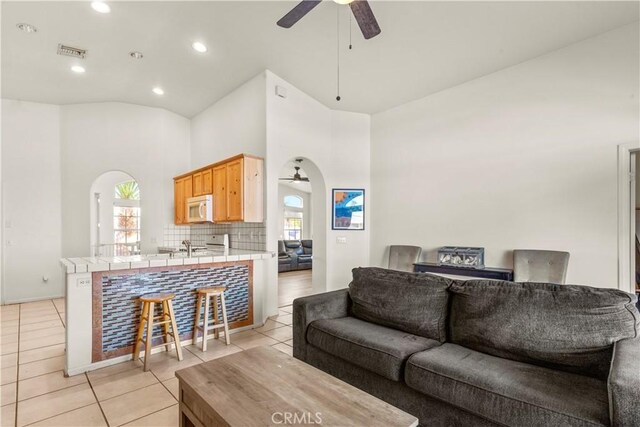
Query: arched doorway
column 301, row 218
column 295, row 233
column 116, row 216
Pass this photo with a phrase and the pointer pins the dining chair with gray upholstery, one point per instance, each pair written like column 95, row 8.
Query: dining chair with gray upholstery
column 540, row 266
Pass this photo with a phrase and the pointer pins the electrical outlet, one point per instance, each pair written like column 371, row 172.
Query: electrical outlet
column 341, row 240
column 83, row 282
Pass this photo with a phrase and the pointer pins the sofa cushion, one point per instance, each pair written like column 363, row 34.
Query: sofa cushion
column 281, row 249
column 373, row 347
column 565, row 327
column 508, row 392
column 411, row 302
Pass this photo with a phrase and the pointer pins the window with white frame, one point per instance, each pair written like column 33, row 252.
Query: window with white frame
column 126, row 218
column 293, row 217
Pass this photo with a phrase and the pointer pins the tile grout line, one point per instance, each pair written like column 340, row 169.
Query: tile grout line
column 57, row 415
column 168, row 391
column 39, row 329
column 39, row 360
column 48, row 392
column 18, row 382
column 166, row 388
column 58, row 312
column 15, row 418
column 95, row 396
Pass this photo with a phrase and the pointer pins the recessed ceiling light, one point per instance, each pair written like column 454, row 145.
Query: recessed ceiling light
column 100, row 6
column 27, row 28
column 78, row 69
column 199, row 47
column 158, row 91
column 136, row 55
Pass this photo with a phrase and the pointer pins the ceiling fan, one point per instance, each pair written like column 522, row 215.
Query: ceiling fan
column 360, row 8
column 296, row 176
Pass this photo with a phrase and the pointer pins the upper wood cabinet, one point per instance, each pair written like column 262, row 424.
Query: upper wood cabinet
column 236, row 185
column 220, row 193
column 182, row 190
column 207, row 181
column 202, row 183
column 235, row 181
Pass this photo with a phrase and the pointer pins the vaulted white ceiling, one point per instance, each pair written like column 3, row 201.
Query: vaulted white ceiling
column 424, row 47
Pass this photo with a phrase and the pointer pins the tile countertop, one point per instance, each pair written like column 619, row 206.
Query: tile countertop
column 91, row 264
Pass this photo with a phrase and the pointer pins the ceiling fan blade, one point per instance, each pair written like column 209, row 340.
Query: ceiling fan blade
column 305, row 179
column 365, row 18
column 297, row 13
column 285, row 179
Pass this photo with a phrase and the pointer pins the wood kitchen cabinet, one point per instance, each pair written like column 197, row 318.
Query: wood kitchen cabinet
column 220, row 193
column 235, row 201
column 182, row 190
column 237, row 186
column 202, row 183
column 238, row 190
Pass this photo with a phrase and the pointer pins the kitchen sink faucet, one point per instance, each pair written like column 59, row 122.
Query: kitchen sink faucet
column 187, row 243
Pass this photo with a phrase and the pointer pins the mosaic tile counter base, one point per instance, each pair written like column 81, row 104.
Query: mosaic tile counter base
column 116, row 309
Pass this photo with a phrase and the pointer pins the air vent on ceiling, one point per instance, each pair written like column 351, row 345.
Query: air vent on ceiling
column 73, row 52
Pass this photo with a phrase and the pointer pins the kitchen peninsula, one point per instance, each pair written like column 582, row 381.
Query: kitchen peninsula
column 103, row 311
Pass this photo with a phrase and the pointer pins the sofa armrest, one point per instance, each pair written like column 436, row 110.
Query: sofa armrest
column 329, row 305
column 624, row 383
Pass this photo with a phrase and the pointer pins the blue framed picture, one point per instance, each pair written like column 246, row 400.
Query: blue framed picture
column 348, row 209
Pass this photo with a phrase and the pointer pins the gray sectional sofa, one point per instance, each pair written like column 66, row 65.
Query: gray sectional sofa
column 295, row 255
column 479, row 353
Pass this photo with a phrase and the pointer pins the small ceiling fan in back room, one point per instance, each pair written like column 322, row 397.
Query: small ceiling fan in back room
column 296, row 176
column 360, row 8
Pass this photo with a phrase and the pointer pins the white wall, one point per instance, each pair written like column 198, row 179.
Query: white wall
column 31, row 201
column 307, row 216
column 150, row 144
column 522, row 158
column 234, row 124
column 335, row 146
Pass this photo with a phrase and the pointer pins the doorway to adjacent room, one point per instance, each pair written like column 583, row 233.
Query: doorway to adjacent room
column 116, row 216
column 295, row 233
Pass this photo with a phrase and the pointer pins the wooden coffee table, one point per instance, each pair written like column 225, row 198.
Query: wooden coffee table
column 263, row 386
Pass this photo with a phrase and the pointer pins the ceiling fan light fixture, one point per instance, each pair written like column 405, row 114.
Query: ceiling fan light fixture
column 343, row 1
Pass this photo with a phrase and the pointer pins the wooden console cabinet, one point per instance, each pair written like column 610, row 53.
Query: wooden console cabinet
column 237, row 186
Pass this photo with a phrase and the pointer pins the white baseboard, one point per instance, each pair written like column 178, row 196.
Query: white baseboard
column 25, row 300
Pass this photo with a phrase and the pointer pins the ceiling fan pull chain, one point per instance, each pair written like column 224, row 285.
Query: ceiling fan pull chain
column 338, row 51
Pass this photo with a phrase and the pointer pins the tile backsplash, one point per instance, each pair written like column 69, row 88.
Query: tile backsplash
column 248, row 236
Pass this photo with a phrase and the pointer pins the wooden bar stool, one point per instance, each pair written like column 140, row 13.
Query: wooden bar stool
column 208, row 293
column 167, row 319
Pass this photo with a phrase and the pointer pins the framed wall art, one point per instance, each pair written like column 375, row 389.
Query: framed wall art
column 347, row 206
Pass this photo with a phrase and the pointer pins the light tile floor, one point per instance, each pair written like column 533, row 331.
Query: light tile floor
column 34, row 391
